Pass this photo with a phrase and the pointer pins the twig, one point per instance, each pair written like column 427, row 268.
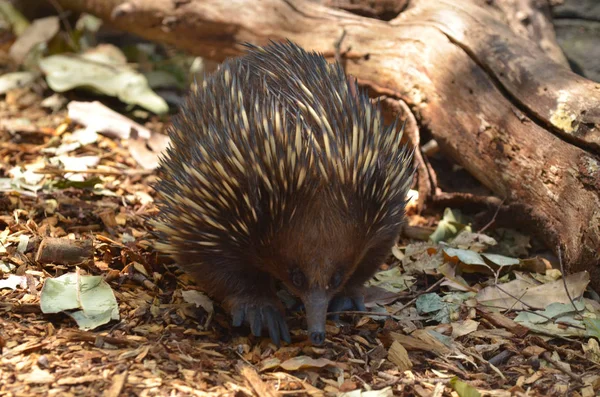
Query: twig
column 338, row 47
column 86, row 336
column 539, row 314
column 95, row 171
column 483, row 361
column 437, row 284
column 546, row 355
column 491, row 222
column 358, row 312
column 564, row 279
column 65, row 21
column 466, row 199
column 417, row 232
column 576, row 354
column 428, row 290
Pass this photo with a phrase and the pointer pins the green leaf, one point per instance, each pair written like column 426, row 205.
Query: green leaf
column 105, row 73
column 592, row 326
column 464, row 389
column 14, row 17
column 392, row 280
column 89, row 300
column 465, row 256
column 429, row 303
column 87, row 184
column 501, row 260
column 449, row 226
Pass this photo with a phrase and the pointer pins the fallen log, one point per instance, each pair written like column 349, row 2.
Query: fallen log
column 504, row 107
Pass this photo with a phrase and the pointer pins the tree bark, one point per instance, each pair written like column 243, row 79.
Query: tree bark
column 523, row 124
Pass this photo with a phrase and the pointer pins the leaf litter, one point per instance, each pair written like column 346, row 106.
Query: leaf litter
column 86, row 304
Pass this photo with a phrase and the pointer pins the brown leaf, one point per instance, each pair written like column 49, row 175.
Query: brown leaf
column 399, row 356
column 520, row 294
column 296, row 363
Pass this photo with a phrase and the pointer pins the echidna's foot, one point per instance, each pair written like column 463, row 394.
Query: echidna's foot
column 344, row 302
column 260, row 316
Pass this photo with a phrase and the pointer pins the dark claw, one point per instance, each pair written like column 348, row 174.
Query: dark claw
column 271, row 325
column 340, row 304
column 263, row 316
column 346, row 303
column 359, row 303
column 256, row 321
column 237, row 317
column 284, row 331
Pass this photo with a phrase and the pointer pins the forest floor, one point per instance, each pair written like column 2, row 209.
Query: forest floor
column 456, row 311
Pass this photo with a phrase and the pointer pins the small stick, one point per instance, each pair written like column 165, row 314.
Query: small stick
column 546, row 355
column 428, row 290
column 564, row 279
column 491, row 222
column 338, row 47
column 437, row 284
column 95, row 171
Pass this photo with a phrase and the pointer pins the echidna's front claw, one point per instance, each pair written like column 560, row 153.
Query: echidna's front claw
column 260, row 316
column 343, row 303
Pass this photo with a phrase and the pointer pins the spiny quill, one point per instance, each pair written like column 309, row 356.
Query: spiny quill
column 281, row 169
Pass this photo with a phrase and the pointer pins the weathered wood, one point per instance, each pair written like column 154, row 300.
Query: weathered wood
column 532, row 20
column 380, row 9
column 577, row 24
column 525, row 126
column 549, row 93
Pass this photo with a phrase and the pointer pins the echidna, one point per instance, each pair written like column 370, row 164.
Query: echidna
column 280, row 168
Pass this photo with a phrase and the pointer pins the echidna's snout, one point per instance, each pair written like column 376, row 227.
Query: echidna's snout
column 315, row 303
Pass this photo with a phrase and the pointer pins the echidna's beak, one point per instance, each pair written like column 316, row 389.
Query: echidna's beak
column 315, row 304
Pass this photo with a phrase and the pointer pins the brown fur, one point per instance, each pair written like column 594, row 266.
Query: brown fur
column 280, row 167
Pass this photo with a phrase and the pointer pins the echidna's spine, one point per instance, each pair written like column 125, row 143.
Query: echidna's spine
column 260, row 138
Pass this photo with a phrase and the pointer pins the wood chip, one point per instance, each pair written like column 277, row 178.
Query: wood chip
column 399, row 356
column 64, row 251
column 118, row 382
column 254, row 381
column 499, row 320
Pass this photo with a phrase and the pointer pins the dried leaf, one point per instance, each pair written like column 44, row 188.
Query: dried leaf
column 37, row 376
column 385, row 392
column 592, row 350
column 392, row 280
column 14, row 281
column 296, row 363
column 510, row 295
column 422, row 258
column 269, row 363
column 199, row 299
column 473, row 241
column 100, row 118
column 40, row 31
column 421, row 341
column 464, row 328
column 10, row 81
column 399, row 356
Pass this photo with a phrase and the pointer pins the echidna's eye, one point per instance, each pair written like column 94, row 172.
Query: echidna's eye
column 336, row 280
column 298, row 278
